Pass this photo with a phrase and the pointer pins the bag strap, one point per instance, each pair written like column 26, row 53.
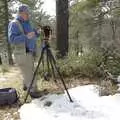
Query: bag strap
column 20, row 28
column 19, row 25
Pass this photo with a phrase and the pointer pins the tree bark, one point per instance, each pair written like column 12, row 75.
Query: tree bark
column 0, row 61
column 8, row 44
column 62, row 27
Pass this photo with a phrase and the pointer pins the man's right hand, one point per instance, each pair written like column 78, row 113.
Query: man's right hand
column 30, row 35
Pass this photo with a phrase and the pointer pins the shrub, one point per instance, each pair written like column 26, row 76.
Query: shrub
column 83, row 65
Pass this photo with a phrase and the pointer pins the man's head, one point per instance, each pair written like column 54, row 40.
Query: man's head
column 23, row 11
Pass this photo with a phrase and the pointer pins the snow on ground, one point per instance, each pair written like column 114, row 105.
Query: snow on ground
column 87, row 105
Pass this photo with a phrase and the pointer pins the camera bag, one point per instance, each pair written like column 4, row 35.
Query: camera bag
column 8, row 96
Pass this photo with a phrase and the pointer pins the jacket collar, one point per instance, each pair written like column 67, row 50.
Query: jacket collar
column 21, row 19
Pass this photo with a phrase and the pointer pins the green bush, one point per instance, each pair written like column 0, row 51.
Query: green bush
column 83, row 65
column 86, row 65
column 113, row 66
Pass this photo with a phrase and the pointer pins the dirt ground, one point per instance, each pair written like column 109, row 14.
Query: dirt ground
column 13, row 78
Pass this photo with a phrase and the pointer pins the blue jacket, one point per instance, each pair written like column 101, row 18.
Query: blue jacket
column 15, row 36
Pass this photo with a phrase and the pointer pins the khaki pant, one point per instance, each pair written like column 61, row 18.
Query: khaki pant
column 26, row 64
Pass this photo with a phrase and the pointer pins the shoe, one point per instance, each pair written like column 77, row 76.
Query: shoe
column 37, row 94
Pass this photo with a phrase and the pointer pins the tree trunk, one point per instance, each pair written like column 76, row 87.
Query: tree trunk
column 62, row 27
column 6, row 26
column 0, row 61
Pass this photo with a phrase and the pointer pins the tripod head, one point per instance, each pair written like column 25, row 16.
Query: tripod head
column 46, row 31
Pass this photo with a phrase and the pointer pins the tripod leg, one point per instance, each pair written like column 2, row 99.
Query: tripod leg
column 45, row 66
column 57, row 69
column 52, row 66
column 43, row 63
column 34, row 75
column 53, row 71
column 48, row 63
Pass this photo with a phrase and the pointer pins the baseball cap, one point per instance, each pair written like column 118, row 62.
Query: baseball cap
column 23, row 8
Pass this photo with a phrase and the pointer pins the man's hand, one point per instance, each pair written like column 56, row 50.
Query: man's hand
column 30, row 35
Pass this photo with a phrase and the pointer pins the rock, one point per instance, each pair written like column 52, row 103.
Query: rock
column 48, row 103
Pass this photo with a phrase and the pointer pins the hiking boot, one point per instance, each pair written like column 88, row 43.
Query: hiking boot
column 37, row 94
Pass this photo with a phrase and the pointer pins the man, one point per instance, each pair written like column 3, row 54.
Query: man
column 23, row 38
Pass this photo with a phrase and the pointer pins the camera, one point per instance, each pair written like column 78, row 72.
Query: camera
column 47, row 32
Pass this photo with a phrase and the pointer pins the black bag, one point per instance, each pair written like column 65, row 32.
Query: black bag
column 8, row 96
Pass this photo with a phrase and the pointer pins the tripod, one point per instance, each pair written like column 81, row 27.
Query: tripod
column 50, row 61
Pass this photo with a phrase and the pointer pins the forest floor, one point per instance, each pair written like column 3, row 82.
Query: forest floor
column 13, row 78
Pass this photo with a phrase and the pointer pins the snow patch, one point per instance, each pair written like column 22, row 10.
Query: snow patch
column 87, row 105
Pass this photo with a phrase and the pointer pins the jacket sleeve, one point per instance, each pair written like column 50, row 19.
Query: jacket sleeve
column 14, row 34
